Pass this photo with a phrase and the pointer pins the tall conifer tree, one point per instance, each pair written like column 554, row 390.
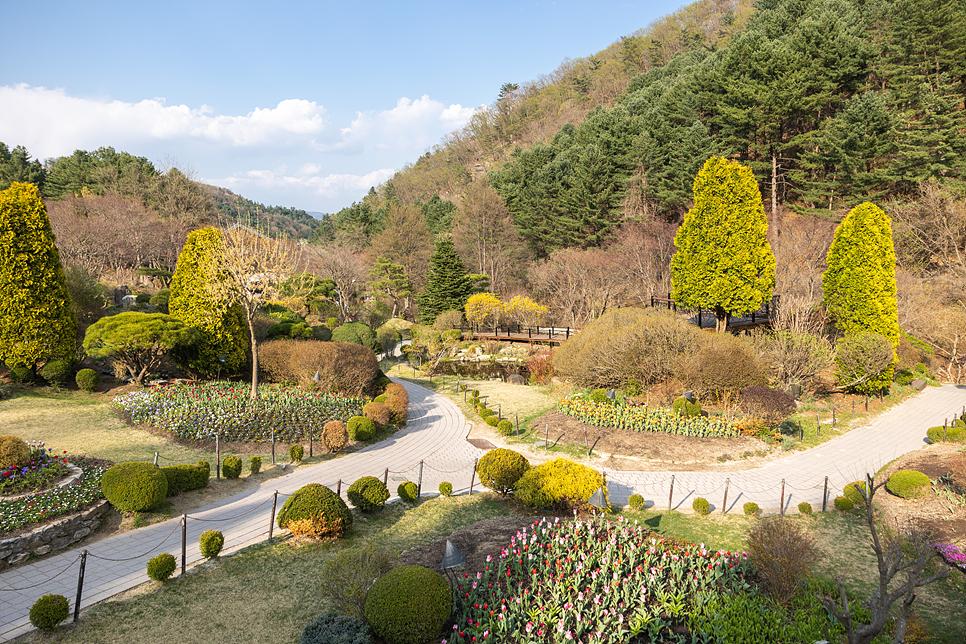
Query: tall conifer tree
column 723, row 261
column 448, row 286
column 37, row 322
column 860, row 283
column 221, row 324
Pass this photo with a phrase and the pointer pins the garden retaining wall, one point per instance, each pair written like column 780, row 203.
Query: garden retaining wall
column 59, row 534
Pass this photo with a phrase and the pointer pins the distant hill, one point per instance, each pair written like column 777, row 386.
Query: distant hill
column 274, row 220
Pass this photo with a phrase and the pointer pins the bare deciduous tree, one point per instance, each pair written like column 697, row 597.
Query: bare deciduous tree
column 578, row 285
column 343, row 267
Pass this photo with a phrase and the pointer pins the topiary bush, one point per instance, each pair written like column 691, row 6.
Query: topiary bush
column 852, row 492
column 701, row 506
column 334, row 628
column 398, row 408
column 231, row 467
column 334, row 435
column 445, row 488
column 296, row 453
column 321, row 506
column 908, row 484
column 368, row 493
column 182, row 478
column 87, row 379
column 162, row 566
column 955, row 433
column 14, row 451
column 356, row 333
column 49, row 611
column 636, row 501
column 255, row 465
column 843, row 503
column 805, row 508
column 492, row 420
column 505, row 427
column 56, row 372
column 211, row 542
column 407, row 491
column 134, row 486
column 684, row 407
column 500, row 469
column 409, row 605
column 378, row 413
column 558, row 484
column 750, row 509
column 22, row 375
column 599, row 396
column 360, row 428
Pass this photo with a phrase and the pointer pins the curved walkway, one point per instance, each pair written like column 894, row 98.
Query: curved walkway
column 435, row 435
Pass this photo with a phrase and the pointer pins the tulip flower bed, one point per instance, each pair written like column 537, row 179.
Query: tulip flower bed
column 39, row 473
column 58, row 501
column 592, row 581
column 645, row 419
column 224, row 409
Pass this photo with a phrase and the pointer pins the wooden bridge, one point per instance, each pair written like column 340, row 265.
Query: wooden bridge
column 705, row 318
column 517, row 333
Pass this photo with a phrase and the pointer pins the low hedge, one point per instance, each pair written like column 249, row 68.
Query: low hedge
column 955, row 433
column 182, row 478
column 134, row 486
column 908, row 484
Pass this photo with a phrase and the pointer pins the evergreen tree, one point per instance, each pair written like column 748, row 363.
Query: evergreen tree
column 36, row 318
column 16, row 165
column 860, row 283
column 448, row 286
column 723, row 261
column 221, row 326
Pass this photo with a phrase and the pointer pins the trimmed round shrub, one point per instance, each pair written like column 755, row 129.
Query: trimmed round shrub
column 335, row 628
column 476, row 393
column 505, row 427
column 684, row 407
column 368, row 493
column 636, row 501
column 296, row 453
column 599, row 396
column 445, row 488
column 955, row 433
column 381, row 398
column 493, row 420
column 162, row 566
column 750, row 509
column 356, row 333
column 49, row 611
column 22, row 375
column 500, row 469
column 87, row 379
column 211, row 542
column 56, row 372
column 378, row 413
column 558, row 484
column 409, row 605
column 231, row 467
column 407, row 491
column 852, row 492
column 360, row 428
column 334, row 435
column 398, row 408
column 485, row 412
column 134, row 486
column 908, row 484
column 14, row 451
column 255, row 465
column 805, row 508
column 701, row 506
column 321, row 506
column 843, row 503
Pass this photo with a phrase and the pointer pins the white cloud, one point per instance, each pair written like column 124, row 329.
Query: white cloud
column 49, row 122
column 307, row 178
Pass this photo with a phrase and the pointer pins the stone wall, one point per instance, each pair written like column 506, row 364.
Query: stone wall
column 59, row 534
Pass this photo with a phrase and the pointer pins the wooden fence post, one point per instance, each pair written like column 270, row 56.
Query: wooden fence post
column 825, row 496
column 724, row 504
column 271, row 522
column 419, row 485
column 671, row 495
column 783, row 498
column 473, row 475
column 80, row 585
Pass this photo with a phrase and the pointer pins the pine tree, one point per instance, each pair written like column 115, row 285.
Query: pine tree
column 723, row 261
column 36, row 319
column 448, row 286
column 860, row 282
column 221, row 325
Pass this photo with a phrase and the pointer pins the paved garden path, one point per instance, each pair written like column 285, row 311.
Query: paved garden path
column 435, row 435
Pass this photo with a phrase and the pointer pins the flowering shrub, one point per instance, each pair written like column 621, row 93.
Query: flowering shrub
column 224, row 409
column 590, row 581
column 40, row 471
column 952, row 555
column 644, row 419
column 58, row 501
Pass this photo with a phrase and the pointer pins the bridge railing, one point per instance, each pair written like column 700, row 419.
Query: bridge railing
column 517, row 331
column 765, row 313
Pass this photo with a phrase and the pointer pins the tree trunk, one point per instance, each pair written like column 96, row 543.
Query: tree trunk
column 721, row 319
column 251, row 333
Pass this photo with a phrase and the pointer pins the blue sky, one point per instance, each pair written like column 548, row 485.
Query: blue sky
column 303, row 104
